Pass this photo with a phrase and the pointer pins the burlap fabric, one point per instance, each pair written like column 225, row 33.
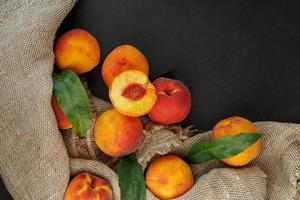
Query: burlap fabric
column 273, row 175
column 34, row 162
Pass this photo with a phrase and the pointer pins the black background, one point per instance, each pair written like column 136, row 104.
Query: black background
column 237, row 57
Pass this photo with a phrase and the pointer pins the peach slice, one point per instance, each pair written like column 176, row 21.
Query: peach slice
column 86, row 186
column 117, row 134
column 122, row 58
column 132, row 94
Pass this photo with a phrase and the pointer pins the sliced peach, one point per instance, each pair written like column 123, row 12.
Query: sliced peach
column 132, row 94
column 122, row 58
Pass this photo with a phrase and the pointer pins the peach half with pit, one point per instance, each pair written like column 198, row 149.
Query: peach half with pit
column 132, row 94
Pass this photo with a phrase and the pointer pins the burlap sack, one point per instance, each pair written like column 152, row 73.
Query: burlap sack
column 273, row 175
column 278, row 160
column 34, row 163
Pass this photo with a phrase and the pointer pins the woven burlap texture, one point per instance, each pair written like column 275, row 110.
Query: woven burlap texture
column 273, row 175
column 34, row 163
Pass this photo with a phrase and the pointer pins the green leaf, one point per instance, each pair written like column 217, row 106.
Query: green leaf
column 73, row 100
column 131, row 179
column 221, row 148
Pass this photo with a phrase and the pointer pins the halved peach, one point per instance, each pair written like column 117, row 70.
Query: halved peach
column 132, row 94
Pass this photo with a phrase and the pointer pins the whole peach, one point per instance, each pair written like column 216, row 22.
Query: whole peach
column 174, row 101
column 86, row 186
column 169, row 177
column 77, row 50
column 233, row 126
column 123, row 58
column 116, row 134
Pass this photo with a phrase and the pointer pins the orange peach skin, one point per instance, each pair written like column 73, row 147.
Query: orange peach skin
column 116, row 134
column 169, row 177
column 77, row 50
column 132, row 94
column 174, row 101
column 234, row 126
column 86, row 186
column 123, row 58
column 63, row 122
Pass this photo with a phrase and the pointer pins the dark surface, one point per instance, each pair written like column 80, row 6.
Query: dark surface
column 237, row 57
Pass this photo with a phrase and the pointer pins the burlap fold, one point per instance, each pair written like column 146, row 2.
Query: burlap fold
column 278, row 159
column 217, row 184
column 34, row 163
column 273, row 175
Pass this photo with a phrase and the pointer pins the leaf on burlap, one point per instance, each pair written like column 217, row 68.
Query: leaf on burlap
column 131, row 179
column 221, row 148
column 72, row 99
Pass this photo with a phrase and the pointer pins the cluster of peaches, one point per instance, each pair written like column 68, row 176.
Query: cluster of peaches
column 119, row 131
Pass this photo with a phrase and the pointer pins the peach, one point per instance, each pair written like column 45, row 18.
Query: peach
column 62, row 120
column 123, row 58
column 86, row 186
column 169, row 177
column 173, row 104
column 116, row 134
column 233, row 126
column 77, row 50
column 132, row 94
